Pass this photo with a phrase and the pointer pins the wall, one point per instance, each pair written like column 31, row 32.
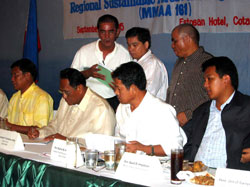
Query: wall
column 57, row 53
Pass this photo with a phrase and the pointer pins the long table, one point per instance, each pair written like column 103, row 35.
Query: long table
column 33, row 167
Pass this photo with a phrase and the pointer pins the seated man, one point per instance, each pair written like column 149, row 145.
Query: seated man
column 139, row 42
column 148, row 123
column 3, row 105
column 30, row 105
column 81, row 111
column 219, row 129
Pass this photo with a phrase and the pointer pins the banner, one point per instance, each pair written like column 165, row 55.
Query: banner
column 159, row 16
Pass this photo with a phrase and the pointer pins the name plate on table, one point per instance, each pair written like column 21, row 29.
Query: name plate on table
column 231, row 178
column 11, row 140
column 66, row 152
column 140, row 169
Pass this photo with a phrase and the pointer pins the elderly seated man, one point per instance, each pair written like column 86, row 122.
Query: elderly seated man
column 81, row 111
column 219, row 129
column 30, row 105
column 148, row 123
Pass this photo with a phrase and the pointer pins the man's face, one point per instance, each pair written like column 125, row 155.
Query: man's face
column 19, row 79
column 70, row 94
column 178, row 44
column 136, row 48
column 214, row 85
column 108, row 34
column 123, row 94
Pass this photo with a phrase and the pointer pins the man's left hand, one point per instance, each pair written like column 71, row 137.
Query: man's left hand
column 182, row 118
column 53, row 136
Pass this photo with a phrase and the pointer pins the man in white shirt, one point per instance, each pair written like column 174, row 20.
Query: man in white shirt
column 147, row 123
column 105, row 52
column 81, row 111
column 139, row 42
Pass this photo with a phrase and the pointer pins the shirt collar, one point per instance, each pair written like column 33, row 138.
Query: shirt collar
column 29, row 90
column 144, row 56
column 213, row 104
column 99, row 51
column 195, row 55
column 84, row 102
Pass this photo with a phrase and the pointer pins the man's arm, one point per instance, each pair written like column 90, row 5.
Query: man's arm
column 182, row 118
column 133, row 146
column 43, row 111
column 18, row 128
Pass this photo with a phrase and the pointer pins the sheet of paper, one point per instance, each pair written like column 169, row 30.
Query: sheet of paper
column 37, row 141
column 100, row 142
column 140, row 169
column 107, row 73
column 66, row 152
column 11, row 140
column 231, row 178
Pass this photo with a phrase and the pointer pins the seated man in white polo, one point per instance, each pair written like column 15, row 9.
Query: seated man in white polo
column 148, row 123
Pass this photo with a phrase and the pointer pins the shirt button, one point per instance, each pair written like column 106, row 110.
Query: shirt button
column 181, row 73
column 175, row 94
column 178, row 83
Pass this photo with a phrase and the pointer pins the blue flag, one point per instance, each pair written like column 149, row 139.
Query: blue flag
column 31, row 40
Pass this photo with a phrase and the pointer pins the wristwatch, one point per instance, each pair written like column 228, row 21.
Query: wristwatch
column 152, row 150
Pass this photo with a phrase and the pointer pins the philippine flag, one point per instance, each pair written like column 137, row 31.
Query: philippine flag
column 31, row 39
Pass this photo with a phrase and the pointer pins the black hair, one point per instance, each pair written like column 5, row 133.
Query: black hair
column 224, row 66
column 108, row 18
column 26, row 65
column 74, row 76
column 143, row 34
column 131, row 73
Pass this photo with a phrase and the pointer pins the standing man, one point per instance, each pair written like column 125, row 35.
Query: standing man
column 105, row 52
column 220, row 128
column 30, row 105
column 146, row 122
column 81, row 111
column 139, row 42
column 186, row 91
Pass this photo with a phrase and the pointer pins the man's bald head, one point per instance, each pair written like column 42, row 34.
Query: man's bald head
column 189, row 30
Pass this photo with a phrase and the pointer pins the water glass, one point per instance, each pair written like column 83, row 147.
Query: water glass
column 91, row 158
column 109, row 158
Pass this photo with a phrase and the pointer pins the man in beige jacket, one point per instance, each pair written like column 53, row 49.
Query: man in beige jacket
column 81, row 111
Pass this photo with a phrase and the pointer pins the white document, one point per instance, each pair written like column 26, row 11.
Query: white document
column 100, row 142
column 140, row 169
column 231, row 178
column 66, row 152
column 37, row 141
column 11, row 140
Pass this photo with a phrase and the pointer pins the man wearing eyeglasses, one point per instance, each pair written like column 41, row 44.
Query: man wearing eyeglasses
column 81, row 111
